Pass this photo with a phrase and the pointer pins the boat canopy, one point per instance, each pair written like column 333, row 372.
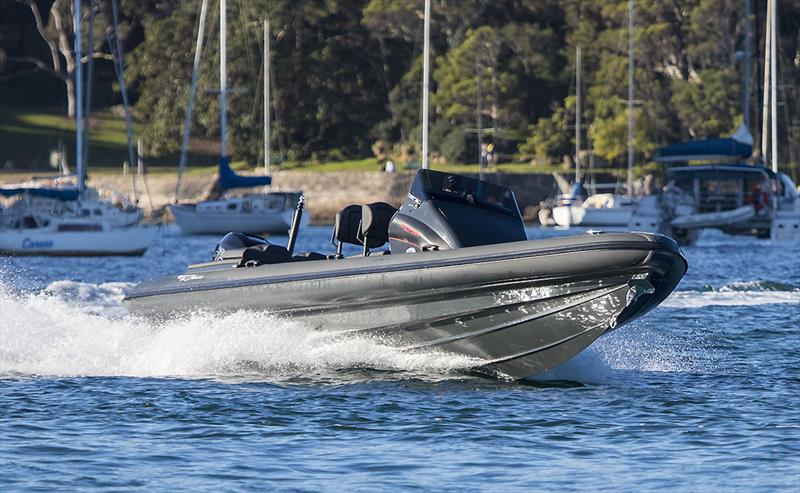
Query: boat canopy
column 52, row 193
column 704, row 150
column 229, row 179
column 719, row 171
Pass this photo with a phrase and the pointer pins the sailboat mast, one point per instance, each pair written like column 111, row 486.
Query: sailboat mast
column 79, row 97
column 765, row 101
column 223, row 89
column 266, row 97
column 773, row 67
column 425, row 79
column 198, row 49
column 119, row 62
column 746, row 84
column 630, row 94
column 89, row 78
column 578, row 108
column 480, row 117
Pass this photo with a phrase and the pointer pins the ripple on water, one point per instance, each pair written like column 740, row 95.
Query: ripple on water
column 702, row 391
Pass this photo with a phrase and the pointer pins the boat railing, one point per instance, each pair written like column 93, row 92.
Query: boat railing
column 716, row 201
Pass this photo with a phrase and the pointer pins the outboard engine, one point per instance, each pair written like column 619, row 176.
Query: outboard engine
column 445, row 211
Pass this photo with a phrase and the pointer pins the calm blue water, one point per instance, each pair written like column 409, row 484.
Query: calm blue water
column 701, row 394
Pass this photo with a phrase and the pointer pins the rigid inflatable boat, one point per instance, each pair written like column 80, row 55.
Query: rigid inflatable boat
column 460, row 276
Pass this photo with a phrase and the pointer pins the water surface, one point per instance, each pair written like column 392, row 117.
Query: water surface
column 701, row 394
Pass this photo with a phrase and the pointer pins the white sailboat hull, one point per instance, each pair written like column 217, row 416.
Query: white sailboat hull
column 583, row 214
column 611, row 216
column 192, row 221
column 125, row 241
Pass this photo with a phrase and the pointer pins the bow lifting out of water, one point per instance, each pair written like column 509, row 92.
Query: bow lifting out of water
column 462, row 277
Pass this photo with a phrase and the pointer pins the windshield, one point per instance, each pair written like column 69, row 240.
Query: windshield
column 459, row 188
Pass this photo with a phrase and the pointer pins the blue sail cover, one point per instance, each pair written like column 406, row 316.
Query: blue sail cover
column 704, row 150
column 228, row 179
column 52, row 193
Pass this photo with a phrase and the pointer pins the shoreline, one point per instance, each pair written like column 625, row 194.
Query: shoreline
column 326, row 192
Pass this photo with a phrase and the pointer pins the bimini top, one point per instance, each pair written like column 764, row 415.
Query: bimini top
column 51, row 193
column 719, row 170
column 704, row 150
column 229, row 179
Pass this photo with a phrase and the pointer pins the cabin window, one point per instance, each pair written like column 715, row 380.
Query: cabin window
column 79, row 227
column 97, row 212
column 231, row 207
column 85, row 213
column 29, row 222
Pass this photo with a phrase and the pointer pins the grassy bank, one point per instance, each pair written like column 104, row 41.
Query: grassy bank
column 27, row 137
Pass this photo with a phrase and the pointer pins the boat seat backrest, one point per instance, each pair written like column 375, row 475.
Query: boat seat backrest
column 375, row 220
column 347, row 224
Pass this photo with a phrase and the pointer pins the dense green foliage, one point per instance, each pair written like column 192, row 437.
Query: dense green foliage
column 347, row 75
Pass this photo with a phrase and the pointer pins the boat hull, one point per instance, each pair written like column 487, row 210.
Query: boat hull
column 576, row 215
column 272, row 221
column 124, row 242
column 517, row 308
column 607, row 216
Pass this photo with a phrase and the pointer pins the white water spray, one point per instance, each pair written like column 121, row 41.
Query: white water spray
column 79, row 329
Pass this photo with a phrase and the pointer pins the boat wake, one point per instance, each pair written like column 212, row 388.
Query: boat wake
column 623, row 354
column 81, row 329
column 740, row 293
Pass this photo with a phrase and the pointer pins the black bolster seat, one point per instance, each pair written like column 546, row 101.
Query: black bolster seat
column 375, row 218
column 233, row 244
column 346, row 227
column 264, row 254
column 249, row 250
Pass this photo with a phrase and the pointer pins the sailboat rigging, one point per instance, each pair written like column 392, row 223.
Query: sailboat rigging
column 268, row 212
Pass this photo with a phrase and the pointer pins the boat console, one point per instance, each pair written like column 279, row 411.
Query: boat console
column 443, row 211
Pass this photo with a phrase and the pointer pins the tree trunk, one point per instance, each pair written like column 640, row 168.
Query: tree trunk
column 64, row 47
column 70, row 83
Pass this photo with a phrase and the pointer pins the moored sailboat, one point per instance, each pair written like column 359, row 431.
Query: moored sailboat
column 61, row 215
column 604, row 209
column 267, row 212
column 728, row 193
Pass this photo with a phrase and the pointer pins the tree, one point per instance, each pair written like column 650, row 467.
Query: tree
column 57, row 31
column 56, row 34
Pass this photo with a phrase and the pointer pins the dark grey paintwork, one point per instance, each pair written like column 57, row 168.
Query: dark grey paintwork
column 518, row 308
